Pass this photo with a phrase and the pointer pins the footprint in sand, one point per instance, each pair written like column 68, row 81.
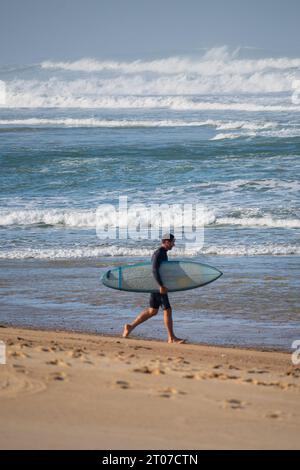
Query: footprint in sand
column 26, row 345
column 170, row 392
column 122, row 384
column 18, row 355
column 181, row 360
column 257, row 371
column 147, row 370
column 282, row 385
column 178, row 360
column 76, row 354
column 157, row 371
column 43, row 349
column 294, row 372
column 222, row 376
column 20, row 369
column 189, row 376
column 56, row 348
column 60, row 376
column 11, row 385
column 234, row 404
column 253, row 381
column 87, row 361
column 274, row 415
column 59, row 362
column 141, row 347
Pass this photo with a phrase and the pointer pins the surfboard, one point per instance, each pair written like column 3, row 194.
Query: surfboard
column 176, row 276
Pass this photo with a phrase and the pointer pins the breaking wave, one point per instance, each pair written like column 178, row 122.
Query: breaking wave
column 111, row 123
column 116, row 251
column 75, row 95
column 88, row 219
column 161, row 83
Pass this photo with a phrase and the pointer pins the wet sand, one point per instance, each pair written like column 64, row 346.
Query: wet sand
column 63, row 390
column 254, row 304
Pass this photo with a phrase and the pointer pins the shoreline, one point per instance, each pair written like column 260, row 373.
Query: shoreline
column 67, row 390
column 143, row 338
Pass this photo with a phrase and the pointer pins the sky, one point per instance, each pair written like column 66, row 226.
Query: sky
column 36, row 30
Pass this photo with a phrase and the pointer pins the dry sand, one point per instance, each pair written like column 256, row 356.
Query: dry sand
column 63, row 390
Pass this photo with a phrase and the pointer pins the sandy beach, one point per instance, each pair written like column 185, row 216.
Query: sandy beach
column 64, row 390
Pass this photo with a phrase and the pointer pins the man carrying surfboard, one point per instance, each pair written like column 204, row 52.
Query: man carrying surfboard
column 160, row 299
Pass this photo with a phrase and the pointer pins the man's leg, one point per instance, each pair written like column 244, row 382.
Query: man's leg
column 169, row 325
column 145, row 315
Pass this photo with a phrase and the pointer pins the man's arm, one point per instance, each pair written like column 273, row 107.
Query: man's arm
column 155, row 269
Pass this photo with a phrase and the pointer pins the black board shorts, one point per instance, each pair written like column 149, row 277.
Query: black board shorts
column 159, row 300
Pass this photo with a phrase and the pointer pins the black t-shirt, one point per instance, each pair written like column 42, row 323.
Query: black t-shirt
column 158, row 256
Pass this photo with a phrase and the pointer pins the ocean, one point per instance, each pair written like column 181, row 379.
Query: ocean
column 220, row 130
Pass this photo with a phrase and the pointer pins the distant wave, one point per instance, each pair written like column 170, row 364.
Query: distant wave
column 158, row 83
column 266, row 221
column 271, row 249
column 223, row 136
column 74, row 253
column 243, row 128
column 69, row 218
column 80, row 94
column 93, row 122
column 87, row 219
column 55, row 217
column 274, row 134
column 116, row 251
column 215, row 61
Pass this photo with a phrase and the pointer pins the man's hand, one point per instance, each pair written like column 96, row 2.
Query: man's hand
column 163, row 290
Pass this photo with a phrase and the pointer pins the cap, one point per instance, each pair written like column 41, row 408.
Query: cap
column 168, row 236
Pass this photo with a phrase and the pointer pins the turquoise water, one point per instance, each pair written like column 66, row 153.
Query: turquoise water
column 73, row 137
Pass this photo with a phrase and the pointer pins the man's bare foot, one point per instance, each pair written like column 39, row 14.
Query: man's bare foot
column 176, row 340
column 127, row 330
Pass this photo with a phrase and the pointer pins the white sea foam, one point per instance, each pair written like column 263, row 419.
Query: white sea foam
column 217, row 61
column 241, row 125
column 268, row 184
column 266, row 221
column 59, row 217
column 87, row 219
column 116, row 251
column 73, row 253
column 78, row 218
column 156, row 83
column 111, row 123
column 82, row 94
column 255, row 250
column 223, row 136
column 282, row 133
column 277, row 134
column 92, row 122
